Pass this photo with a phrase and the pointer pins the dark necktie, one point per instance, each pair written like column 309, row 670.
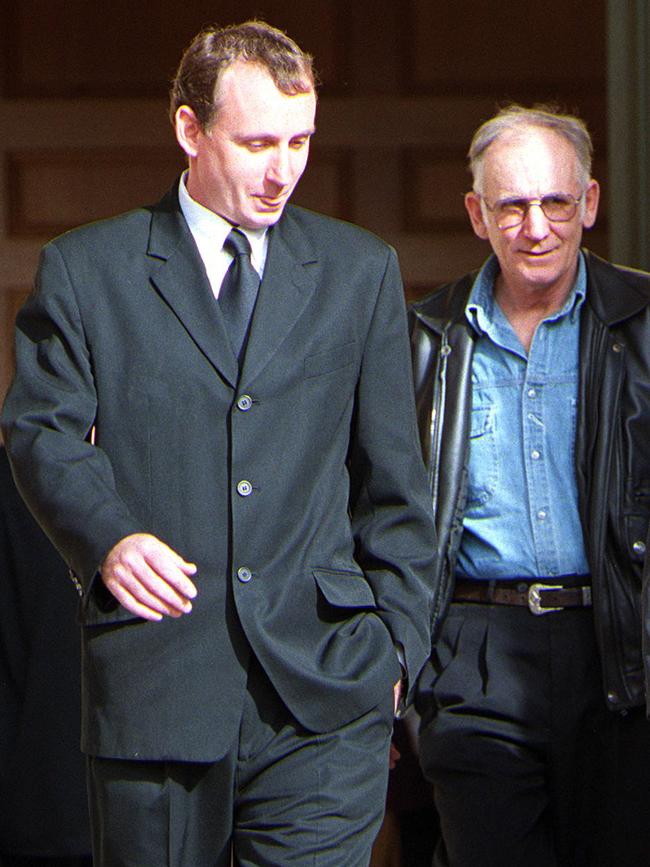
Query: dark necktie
column 238, row 290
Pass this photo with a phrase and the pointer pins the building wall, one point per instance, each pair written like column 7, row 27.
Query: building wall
column 84, row 131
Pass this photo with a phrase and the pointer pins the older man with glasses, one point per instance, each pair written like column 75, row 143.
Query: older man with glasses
column 533, row 381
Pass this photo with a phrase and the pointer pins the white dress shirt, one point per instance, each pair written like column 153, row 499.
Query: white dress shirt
column 210, row 231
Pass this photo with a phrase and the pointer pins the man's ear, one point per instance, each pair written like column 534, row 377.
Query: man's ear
column 473, row 208
column 188, row 130
column 592, row 196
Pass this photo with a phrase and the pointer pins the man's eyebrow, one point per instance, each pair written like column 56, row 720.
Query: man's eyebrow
column 267, row 136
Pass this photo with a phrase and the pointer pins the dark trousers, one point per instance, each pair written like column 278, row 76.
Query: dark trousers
column 281, row 796
column 528, row 765
column 42, row 861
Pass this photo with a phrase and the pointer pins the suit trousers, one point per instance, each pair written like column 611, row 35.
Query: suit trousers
column 281, row 795
column 528, row 765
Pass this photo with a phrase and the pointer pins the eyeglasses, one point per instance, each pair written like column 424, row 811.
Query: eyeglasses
column 556, row 207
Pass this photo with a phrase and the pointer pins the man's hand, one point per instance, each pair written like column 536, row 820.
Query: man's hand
column 397, row 694
column 148, row 578
column 394, row 752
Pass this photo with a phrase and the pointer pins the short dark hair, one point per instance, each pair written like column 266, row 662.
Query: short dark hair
column 514, row 117
column 214, row 49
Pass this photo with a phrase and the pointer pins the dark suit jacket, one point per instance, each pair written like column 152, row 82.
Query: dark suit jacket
column 42, row 774
column 123, row 334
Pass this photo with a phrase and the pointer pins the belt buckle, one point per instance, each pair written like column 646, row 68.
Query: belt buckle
column 535, row 599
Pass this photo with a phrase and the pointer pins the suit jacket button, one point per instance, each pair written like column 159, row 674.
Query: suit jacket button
column 244, row 488
column 244, row 402
column 244, row 574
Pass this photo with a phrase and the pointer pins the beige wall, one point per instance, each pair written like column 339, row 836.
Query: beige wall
column 84, row 133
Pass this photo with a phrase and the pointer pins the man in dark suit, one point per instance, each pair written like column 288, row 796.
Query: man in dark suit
column 246, row 518
column 44, row 814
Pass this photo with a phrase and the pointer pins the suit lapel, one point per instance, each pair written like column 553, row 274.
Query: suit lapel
column 285, row 291
column 179, row 275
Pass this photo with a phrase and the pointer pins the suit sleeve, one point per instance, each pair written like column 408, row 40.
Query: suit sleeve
column 50, row 410
column 391, row 508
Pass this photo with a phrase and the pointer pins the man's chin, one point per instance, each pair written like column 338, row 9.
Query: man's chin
column 265, row 217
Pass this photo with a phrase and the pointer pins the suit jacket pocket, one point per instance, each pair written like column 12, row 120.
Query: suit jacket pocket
column 329, row 360
column 344, row 589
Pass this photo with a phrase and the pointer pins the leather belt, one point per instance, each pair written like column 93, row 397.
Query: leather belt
column 538, row 597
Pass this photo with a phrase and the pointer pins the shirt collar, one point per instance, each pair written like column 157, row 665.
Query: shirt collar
column 480, row 307
column 209, row 228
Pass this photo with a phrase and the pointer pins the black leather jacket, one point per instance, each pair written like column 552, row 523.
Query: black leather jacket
column 612, row 450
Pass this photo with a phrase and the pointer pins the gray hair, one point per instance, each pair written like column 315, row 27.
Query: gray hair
column 513, row 117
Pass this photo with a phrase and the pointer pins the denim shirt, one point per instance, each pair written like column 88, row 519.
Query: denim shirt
column 521, row 517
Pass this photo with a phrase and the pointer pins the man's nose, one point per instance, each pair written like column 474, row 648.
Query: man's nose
column 279, row 167
column 536, row 223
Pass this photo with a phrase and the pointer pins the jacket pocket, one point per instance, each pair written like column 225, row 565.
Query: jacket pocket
column 329, row 360
column 344, row 589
